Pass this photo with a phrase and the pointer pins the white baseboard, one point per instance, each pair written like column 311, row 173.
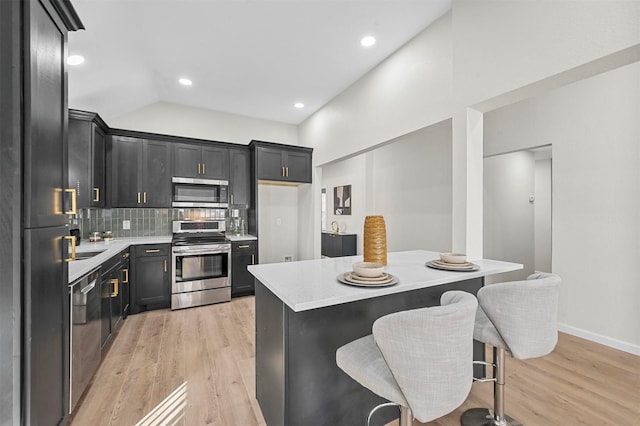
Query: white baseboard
column 598, row 338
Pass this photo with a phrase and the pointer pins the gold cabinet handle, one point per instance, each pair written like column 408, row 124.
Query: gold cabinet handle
column 153, row 251
column 165, row 265
column 73, row 247
column 96, row 194
column 244, row 246
column 115, row 283
column 204, row 170
column 231, row 198
column 74, row 202
column 145, row 197
column 283, row 171
column 253, row 259
column 198, row 168
column 138, row 198
column 126, row 280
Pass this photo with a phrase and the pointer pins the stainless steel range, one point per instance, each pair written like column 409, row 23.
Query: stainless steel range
column 201, row 259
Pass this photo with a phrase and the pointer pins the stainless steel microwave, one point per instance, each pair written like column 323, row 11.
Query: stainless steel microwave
column 192, row 192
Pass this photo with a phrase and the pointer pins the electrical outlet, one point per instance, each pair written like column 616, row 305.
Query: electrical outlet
column 126, row 224
column 288, row 258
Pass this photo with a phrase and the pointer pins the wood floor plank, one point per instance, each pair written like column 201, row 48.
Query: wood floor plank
column 211, row 349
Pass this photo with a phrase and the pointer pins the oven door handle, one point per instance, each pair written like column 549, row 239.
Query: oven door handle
column 193, row 252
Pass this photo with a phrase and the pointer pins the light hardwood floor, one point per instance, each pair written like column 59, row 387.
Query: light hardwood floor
column 206, row 355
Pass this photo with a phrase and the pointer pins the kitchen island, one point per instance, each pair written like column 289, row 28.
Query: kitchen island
column 303, row 314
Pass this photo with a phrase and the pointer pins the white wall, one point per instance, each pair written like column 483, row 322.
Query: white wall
column 277, row 223
column 542, row 214
column 595, row 132
column 180, row 120
column 408, row 181
column 508, row 215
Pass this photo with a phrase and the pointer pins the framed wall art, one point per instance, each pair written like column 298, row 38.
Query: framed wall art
column 342, row 200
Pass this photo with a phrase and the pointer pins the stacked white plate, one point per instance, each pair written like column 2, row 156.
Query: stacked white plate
column 461, row 267
column 352, row 279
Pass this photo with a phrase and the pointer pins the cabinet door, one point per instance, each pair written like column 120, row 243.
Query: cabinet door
column 215, row 163
column 79, row 161
column 243, row 255
column 46, row 325
column 151, row 280
column 298, row 166
column 125, row 174
column 239, row 178
column 187, row 161
column 45, row 143
column 156, row 174
column 98, row 187
column 270, row 164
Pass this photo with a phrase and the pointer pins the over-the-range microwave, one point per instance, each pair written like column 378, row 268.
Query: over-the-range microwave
column 192, row 192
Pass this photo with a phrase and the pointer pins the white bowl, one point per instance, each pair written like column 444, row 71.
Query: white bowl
column 453, row 257
column 368, row 269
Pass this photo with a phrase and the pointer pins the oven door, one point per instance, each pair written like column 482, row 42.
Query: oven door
column 200, row 269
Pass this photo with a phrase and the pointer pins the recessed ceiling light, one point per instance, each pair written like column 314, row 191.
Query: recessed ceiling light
column 298, row 105
column 185, row 82
column 75, row 60
column 368, row 41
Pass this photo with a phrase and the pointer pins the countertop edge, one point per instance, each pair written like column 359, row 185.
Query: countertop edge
column 79, row 268
column 495, row 267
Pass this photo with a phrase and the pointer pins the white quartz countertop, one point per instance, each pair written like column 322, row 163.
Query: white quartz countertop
column 79, row 268
column 311, row 284
column 245, row 237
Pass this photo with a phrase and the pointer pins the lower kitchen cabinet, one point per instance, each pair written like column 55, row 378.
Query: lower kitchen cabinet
column 338, row 245
column 114, row 297
column 151, row 287
column 243, row 254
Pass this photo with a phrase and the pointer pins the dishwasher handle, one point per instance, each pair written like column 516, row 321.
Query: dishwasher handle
column 89, row 287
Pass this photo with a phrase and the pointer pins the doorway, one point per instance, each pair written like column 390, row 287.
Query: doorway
column 517, row 210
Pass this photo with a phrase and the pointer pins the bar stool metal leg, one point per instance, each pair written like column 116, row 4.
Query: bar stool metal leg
column 406, row 418
column 495, row 417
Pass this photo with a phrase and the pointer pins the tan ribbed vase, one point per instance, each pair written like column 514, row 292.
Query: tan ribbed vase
column 375, row 240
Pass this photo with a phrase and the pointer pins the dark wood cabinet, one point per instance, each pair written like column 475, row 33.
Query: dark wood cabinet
column 151, row 287
column 200, row 161
column 140, row 172
column 239, row 178
column 284, row 163
column 243, row 254
column 33, row 142
column 46, row 326
column 114, row 296
column 87, row 139
column 338, row 245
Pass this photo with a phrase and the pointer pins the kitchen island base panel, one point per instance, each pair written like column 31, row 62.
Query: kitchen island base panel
column 297, row 379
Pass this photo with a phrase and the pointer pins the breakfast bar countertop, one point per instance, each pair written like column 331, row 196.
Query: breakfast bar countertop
column 311, row 284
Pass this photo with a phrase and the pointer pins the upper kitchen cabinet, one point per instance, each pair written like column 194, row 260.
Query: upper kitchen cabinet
column 47, row 197
column 282, row 163
column 200, row 161
column 87, row 140
column 239, row 178
column 140, row 172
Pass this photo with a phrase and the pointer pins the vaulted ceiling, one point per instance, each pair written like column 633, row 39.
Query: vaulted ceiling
column 250, row 57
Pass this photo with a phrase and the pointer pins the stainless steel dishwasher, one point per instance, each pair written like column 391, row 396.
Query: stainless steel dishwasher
column 84, row 334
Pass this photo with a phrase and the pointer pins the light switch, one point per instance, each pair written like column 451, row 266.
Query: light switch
column 126, row 224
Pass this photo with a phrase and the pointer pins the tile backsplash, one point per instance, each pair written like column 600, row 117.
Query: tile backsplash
column 143, row 222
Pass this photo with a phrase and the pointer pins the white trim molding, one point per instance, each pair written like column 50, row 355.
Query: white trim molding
column 598, row 338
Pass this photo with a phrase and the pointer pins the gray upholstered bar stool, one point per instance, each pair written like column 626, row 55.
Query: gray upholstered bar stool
column 520, row 317
column 420, row 360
